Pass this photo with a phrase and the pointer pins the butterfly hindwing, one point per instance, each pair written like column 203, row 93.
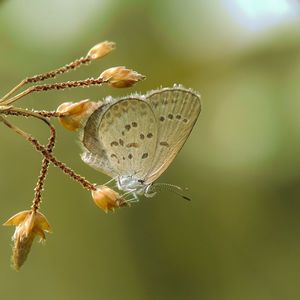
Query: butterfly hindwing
column 95, row 153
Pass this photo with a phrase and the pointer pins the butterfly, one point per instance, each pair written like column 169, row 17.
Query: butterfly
column 134, row 139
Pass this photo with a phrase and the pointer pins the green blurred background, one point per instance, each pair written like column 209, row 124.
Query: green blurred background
column 239, row 237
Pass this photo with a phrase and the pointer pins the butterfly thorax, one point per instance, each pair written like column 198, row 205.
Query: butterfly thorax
column 131, row 183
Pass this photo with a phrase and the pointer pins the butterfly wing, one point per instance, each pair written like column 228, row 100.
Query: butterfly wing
column 95, row 153
column 128, row 135
column 176, row 111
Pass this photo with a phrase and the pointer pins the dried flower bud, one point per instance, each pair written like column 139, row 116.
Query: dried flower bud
column 29, row 224
column 108, row 199
column 119, row 77
column 101, row 50
column 75, row 114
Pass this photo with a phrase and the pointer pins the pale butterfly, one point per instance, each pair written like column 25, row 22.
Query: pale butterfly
column 135, row 139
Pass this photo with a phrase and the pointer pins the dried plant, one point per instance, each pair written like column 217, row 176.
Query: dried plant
column 32, row 223
column 133, row 139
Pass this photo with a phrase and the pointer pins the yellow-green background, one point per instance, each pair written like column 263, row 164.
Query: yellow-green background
column 239, row 238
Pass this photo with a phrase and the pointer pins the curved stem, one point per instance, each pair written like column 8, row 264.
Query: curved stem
column 43, row 172
column 71, row 66
column 42, row 115
column 13, row 90
column 55, row 86
column 86, row 184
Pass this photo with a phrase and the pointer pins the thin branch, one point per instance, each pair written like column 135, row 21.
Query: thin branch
column 43, row 173
column 14, row 111
column 86, row 184
column 71, row 66
column 55, row 86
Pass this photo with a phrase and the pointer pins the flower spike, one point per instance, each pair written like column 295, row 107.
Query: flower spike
column 29, row 224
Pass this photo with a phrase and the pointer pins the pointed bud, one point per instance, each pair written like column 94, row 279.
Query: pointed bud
column 107, row 199
column 101, row 50
column 75, row 114
column 119, row 77
column 29, row 224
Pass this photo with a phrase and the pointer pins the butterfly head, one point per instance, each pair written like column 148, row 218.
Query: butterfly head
column 133, row 184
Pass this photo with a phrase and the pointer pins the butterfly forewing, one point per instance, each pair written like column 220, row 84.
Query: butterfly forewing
column 128, row 132
column 176, row 111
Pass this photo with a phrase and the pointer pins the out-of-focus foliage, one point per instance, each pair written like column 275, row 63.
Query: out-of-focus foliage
column 239, row 237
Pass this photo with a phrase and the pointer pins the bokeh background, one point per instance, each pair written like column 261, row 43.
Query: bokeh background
column 239, row 237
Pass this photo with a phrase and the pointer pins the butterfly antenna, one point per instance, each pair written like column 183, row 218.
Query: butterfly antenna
column 171, row 188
